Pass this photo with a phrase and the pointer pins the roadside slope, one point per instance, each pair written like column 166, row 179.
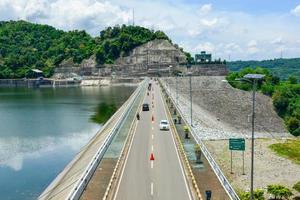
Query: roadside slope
column 223, row 111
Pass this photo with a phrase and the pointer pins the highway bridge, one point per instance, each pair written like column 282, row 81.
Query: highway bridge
column 151, row 164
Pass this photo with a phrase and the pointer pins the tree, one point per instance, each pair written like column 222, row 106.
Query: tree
column 292, row 80
column 279, row 191
column 100, row 55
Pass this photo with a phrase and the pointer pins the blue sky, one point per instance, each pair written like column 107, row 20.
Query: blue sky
column 235, row 29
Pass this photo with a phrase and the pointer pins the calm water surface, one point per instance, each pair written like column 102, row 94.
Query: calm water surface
column 42, row 129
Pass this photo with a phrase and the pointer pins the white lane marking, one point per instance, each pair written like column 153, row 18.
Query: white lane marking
column 126, row 159
column 151, row 189
column 152, row 128
column 180, row 164
column 152, row 136
column 151, row 164
column 152, row 148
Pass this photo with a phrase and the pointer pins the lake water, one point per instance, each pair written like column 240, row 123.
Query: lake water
column 42, row 129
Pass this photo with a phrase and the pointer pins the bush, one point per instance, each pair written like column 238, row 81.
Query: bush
column 296, row 132
column 258, row 195
column 279, row 191
column 267, row 89
column 297, row 187
column 292, row 124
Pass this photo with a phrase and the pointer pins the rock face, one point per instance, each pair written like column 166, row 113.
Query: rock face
column 209, row 69
column 157, row 57
column 153, row 53
column 152, row 57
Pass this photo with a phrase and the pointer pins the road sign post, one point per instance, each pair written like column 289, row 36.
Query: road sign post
column 236, row 144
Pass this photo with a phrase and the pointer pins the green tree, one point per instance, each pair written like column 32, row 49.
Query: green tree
column 279, row 191
column 100, row 55
column 292, row 80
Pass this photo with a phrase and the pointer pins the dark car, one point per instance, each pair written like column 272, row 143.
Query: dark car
column 145, row 107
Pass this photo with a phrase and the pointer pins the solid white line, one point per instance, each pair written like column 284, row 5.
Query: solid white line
column 182, row 171
column 151, row 188
column 151, row 164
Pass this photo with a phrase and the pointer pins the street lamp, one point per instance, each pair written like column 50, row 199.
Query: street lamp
column 252, row 79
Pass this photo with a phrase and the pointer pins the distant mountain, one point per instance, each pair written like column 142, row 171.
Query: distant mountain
column 283, row 67
column 24, row 46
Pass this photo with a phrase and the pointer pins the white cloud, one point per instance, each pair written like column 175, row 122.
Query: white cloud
column 277, row 41
column 252, row 43
column 209, row 22
column 206, row 46
column 296, row 11
column 206, row 8
column 227, row 32
column 91, row 15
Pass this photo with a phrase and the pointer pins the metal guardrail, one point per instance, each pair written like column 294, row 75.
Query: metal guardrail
column 223, row 180
column 91, row 167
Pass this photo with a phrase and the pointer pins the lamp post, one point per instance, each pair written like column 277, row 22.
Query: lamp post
column 253, row 79
column 176, row 89
column 191, row 100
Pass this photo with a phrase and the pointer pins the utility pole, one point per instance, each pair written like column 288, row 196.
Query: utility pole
column 133, row 17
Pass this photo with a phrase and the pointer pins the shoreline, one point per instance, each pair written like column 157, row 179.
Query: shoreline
column 90, row 81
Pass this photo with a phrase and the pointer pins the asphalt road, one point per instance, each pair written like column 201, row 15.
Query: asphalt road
column 162, row 178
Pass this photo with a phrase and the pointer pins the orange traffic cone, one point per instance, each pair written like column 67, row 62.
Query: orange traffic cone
column 151, row 156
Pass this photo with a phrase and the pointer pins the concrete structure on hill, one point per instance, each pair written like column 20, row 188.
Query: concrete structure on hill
column 154, row 58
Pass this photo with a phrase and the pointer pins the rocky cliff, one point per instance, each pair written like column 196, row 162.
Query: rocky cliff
column 156, row 56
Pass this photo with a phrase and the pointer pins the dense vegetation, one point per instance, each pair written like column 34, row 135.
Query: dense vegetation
column 282, row 68
column 285, row 94
column 25, row 45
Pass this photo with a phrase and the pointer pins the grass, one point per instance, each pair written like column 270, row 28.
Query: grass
column 289, row 149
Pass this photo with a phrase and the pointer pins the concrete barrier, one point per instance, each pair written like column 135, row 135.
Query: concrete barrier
column 215, row 167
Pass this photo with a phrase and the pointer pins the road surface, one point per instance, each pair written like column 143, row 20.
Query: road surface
column 162, row 178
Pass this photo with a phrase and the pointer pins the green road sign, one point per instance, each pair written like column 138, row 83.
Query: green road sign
column 237, row 144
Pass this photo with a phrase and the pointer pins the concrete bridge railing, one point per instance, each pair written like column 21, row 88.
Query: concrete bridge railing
column 223, row 180
column 81, row 184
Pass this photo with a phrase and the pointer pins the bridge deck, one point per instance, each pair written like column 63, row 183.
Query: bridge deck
column 163, row 178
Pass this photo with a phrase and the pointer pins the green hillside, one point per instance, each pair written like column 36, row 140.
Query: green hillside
column 25, row 45
column 285, row 94
column 279, row 67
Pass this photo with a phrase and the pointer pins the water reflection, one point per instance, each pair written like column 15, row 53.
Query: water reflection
column 42, row 130
column 103, row 112
column 14, row 150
